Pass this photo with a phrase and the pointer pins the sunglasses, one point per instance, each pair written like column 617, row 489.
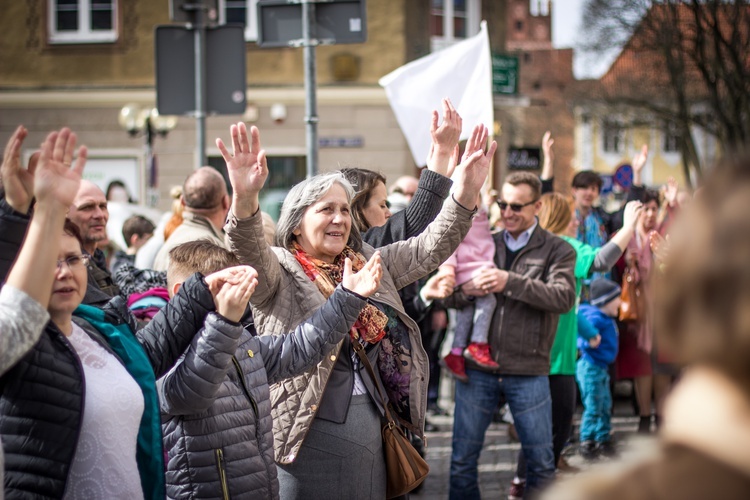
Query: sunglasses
column 516, row 207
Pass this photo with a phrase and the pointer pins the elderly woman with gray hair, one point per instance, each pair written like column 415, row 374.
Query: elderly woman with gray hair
column 327, row 421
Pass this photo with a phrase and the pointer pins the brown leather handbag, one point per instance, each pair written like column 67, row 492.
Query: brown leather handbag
column 405, row 467
column 631, row 307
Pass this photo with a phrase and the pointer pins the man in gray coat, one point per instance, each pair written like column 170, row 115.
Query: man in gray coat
column 533, row 284
column 206, row 201
column 215, row 402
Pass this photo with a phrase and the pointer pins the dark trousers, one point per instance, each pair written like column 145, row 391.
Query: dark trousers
column 562, row 389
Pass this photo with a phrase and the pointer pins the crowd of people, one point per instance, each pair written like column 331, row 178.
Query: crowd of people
column 220, row 354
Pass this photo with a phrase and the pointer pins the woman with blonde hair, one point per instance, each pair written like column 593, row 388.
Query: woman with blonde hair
column 557, row 216
column 701, row 298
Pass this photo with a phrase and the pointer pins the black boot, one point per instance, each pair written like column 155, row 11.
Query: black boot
column 644, row 425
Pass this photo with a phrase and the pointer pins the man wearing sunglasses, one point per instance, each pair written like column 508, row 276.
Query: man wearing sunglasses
column 533, row 284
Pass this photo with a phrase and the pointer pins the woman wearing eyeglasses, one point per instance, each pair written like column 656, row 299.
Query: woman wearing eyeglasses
column 79, row 415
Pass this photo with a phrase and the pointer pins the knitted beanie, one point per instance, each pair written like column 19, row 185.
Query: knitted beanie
column 602, row 291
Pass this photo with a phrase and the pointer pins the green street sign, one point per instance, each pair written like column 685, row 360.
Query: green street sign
column 504, row 74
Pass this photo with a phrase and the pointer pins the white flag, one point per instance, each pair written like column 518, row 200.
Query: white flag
column 461, row 72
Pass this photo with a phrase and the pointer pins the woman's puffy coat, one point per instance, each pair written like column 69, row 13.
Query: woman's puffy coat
column 285, row 296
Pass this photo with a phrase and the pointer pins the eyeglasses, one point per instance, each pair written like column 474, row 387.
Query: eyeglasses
column 516, row 207
column 74, row 261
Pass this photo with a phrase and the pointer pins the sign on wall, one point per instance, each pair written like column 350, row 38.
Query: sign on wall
column 524, row 158
column 504, row 74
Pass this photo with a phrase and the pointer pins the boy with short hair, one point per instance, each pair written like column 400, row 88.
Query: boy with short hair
column 597, row 352
column 215, row 402
column 136, row 230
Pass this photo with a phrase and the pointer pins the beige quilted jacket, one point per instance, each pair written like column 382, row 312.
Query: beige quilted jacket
column 285, row 297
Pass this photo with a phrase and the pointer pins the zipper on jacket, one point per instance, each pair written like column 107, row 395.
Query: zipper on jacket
column 244, row 387
column 222, row 473
column 257, row 418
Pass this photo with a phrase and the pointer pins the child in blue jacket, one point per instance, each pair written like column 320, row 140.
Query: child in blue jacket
column 597, row 353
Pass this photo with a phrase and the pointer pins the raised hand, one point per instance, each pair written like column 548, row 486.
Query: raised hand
column 54, row 179
column 472, row 172
column 639, row 161
column 632, row 211
column 232, row 289
column 446, row 135
column 547, row 142
column 671, row 191
column 549, row 156
column 247, row 168
column 367, row 280
column 477, row 140
column 17, row 181
column 445, row 138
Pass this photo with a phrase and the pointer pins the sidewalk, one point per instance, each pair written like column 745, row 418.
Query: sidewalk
column 497, row 463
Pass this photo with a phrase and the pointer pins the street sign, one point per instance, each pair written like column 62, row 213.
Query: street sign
column 623, row 176
column 524, row 158
column 504, row 74
column 180, row 14
column 608, row 182
column 336, row 21
column 225, row 70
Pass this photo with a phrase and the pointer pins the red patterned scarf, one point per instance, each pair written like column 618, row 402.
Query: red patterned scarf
column 370, row 324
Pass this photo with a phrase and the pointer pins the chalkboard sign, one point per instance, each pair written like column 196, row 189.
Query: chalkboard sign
column 524, row 158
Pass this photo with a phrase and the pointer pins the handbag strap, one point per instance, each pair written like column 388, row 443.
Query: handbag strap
column 366, row 362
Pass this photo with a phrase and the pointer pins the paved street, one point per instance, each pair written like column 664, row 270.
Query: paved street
column 498, row 460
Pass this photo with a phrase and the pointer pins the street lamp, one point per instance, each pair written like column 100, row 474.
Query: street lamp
column 148, row 123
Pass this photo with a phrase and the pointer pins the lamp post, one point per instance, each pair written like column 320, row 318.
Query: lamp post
column 148, row 123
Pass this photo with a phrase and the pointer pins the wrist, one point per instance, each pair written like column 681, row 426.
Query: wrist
column 21, row 208
column 245, row 206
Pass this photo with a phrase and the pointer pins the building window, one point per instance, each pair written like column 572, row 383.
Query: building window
column 82, row 21
column 242, row 12
column 519, row 25
column 671, row 137
column 453, row 20
column 288, row 170
column 612, row 136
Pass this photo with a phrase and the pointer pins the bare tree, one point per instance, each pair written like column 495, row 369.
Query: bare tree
column 685, row 62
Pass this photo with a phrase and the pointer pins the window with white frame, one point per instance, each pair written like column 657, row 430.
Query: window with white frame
column 82, row 21
column 612, row 136
column 453, row 20
column 671, row 135
column 242, row 12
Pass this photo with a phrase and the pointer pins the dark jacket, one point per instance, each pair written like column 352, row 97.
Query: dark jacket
column 42, row 404
column 432, row 191
column 541, row 286
column 13, row 227
column 216, row 406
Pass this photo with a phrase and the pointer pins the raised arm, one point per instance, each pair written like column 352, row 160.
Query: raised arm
column 548, row 170
column 248, row 171
column 434, row 184
column 24, row 298
column 166, row 337
column 410, row 260
column 192, row 384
